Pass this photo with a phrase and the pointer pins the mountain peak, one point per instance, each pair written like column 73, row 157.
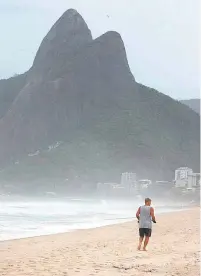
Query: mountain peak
column 71, row 19
column 69, row 34
column 71, row 13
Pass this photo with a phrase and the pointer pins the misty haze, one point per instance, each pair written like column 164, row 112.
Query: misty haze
column 83, row 142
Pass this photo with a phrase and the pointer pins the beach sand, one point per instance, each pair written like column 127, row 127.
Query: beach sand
column 173, row 251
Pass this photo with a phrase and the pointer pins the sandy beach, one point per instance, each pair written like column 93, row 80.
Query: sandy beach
column 174, row 250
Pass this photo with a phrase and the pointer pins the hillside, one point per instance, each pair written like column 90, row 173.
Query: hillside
column 9, row 89
column 194, row 104
column 81, row 91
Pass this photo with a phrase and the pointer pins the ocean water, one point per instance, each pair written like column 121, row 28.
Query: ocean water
column 28, row 218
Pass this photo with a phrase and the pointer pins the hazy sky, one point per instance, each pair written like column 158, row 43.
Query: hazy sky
column 161, row 36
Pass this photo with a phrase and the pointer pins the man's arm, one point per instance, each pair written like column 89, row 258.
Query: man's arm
column 152, row 214
column 138, row 214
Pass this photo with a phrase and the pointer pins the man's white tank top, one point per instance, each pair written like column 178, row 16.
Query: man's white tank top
column 145, row 217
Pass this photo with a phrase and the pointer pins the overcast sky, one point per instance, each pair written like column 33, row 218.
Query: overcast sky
column 161, row 36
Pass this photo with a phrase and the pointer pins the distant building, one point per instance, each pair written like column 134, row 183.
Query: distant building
column 162, row 187
column 193, row 181
column 106, row 186
column 144, row 183
column 128, row 180
column 182, row 173
column 163, row 182
column 110, row 189
column 181, row 176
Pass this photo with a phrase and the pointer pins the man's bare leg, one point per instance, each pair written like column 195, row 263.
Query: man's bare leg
column 140, row 243
column 146, row 241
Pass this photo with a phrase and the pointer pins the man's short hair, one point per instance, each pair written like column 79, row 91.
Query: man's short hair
column 147, row 200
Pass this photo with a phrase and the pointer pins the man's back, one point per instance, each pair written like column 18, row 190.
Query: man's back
column 145, row 216
column 145, row 220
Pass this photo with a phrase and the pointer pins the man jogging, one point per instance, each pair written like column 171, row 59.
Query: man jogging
column 145, row 216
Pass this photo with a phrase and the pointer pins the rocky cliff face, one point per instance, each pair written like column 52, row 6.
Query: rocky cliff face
column 194, row 104
column 9, row 89
column 47, row 110
column 79, row 87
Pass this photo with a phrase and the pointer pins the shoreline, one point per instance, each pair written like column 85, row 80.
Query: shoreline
column 109, row 250
column 117, row 221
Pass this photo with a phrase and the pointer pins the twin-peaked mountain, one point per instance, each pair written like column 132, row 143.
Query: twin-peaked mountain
column 81, row 91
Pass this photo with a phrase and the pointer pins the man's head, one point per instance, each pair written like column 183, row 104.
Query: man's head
column 147, row 201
